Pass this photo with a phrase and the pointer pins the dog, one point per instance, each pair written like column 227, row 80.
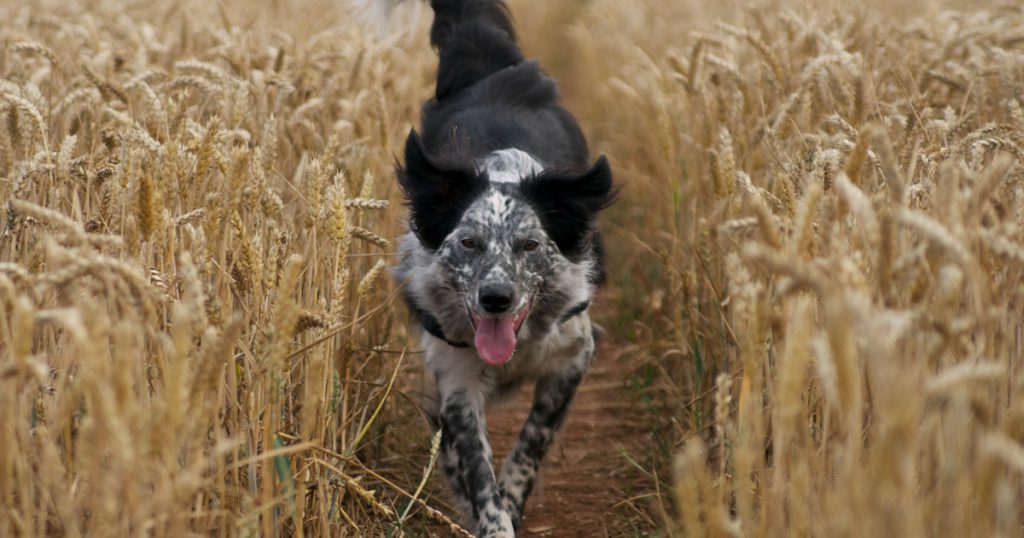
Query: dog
column 502, row 259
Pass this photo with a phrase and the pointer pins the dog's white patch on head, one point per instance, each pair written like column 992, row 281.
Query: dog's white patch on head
column 497, row 208
column 510, row 165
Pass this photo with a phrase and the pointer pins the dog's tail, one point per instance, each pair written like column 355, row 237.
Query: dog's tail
column 449, row 15
column 474, row 38
column 452, row 19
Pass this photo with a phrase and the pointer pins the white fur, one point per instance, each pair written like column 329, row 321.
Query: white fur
column 510, row 165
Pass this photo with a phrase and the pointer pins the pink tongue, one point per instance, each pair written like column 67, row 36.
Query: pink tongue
column 495, row 339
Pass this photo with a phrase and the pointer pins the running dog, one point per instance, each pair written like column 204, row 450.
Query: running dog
column 502, row 258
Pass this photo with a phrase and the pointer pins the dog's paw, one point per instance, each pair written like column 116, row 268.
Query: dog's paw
column 514, row 514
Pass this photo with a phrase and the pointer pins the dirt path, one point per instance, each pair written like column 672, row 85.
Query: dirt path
column 586, row 476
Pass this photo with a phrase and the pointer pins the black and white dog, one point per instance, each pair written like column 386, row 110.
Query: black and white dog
column 503, row 256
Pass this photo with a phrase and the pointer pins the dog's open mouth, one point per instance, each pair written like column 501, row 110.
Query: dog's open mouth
column 495, row 338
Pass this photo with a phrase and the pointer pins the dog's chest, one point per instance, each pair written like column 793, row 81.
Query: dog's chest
column 568, row 346
column 562, row 349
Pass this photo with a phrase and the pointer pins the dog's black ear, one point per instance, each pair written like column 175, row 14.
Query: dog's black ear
column 567, row 204
column 438, row 190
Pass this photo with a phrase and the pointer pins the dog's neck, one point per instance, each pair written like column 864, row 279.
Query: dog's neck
column 509, row 166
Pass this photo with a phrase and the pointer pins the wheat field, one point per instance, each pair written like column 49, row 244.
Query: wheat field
column 816, row 292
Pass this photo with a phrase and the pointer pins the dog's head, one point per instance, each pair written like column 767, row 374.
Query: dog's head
column 502, row 246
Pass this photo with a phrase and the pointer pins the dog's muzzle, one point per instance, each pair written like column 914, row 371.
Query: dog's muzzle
column 497, row 328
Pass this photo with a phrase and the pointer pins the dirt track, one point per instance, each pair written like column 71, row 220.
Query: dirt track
column 586, row 476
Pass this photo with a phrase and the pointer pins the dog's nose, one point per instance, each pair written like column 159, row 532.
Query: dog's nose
column 496, row 298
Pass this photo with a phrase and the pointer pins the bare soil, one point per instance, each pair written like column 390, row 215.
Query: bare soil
column 587, row 481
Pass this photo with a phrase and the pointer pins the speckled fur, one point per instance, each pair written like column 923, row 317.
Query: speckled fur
column 500, row 192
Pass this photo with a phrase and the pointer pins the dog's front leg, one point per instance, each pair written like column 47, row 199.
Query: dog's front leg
column 466, row 453
column 552, row 397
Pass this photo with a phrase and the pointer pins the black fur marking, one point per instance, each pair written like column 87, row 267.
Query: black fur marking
column 568, row 203
column 438, row 189
column 575, row 311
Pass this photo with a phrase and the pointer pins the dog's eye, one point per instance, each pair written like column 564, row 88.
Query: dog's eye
column 468, row 242
column 530, row 245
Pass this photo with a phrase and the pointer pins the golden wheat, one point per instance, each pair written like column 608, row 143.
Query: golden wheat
column 167, row 361
column 872, row 324
column 822, row 211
